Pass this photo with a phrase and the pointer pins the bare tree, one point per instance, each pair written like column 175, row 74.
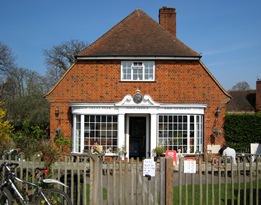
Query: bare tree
column 6, row 65
column 241, row 86
column 22, row 91
column 60, row 57
column 22, row 82
column 6, row 59
column 23, row 94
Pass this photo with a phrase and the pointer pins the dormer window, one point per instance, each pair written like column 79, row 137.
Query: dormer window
column 137, row 70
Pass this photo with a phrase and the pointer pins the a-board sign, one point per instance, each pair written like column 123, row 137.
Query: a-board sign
column 255, row 149
column 149, row 167
column 173, row 154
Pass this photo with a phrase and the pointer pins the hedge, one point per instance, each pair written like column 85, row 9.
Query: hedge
column 242, row 129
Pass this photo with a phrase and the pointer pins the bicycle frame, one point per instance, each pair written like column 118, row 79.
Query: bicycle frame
column 38, row 190
column 9, row 181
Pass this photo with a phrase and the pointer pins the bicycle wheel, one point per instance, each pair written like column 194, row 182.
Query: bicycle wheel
column 5, row 197
column 54, row 197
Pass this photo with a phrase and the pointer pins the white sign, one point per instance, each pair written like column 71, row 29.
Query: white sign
column 149, row 167
column 214, row 148
column 190, row 166
column 255, row 148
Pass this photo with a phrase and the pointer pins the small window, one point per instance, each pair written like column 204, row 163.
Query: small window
column 138, row 71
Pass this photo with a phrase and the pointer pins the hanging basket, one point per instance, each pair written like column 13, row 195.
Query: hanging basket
column 217, row 132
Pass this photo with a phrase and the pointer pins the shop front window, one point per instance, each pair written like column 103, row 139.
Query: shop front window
column 184, row 132
column 101, row 128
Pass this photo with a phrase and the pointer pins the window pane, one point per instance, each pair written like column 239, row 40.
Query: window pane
column 148, row 71
column 137, row 74
column 126, row 70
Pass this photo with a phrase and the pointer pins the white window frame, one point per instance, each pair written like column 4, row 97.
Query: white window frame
column 131, row 69
column 103, row 128
column 181, row 134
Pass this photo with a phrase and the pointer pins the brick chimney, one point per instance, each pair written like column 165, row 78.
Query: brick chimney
column 167, row 19
column 258, row 95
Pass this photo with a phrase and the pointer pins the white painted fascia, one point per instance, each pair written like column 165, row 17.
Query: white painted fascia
column 138, row 58
column 127, row 105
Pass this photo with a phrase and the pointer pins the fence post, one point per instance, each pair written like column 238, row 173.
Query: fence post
column 96, row 162
column 162, row 181
column 169, row 181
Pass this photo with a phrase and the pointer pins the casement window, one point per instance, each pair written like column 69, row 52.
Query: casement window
column 184, row 132
column 90, row 128
column 137, row 70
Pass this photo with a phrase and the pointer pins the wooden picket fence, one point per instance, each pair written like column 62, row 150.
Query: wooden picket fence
column 91, row 180
column 217, row 181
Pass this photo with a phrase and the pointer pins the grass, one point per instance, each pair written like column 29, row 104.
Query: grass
column 104, row 194
column 222, row 194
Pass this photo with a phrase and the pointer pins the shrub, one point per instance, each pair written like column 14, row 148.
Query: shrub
column 242, row 129
column 5, row 131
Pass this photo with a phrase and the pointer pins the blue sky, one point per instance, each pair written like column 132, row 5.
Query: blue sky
column 226, row 32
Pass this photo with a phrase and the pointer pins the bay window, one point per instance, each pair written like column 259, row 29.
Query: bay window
column 91, row 128
column 184, row 132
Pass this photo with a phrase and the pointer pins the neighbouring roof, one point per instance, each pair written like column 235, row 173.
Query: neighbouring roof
column 242, row 101
column 138, row 35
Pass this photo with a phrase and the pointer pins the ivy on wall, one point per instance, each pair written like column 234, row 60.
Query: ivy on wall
column 242, row 129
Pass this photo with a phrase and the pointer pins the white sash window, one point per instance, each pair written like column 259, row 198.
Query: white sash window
column 137, row 71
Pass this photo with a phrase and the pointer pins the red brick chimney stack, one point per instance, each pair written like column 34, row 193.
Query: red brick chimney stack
column 258, row 95
column 167, row 19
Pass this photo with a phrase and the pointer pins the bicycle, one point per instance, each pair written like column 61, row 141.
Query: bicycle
column 40, row 196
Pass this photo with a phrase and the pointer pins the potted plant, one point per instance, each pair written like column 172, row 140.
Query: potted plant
column 122, row 152
column 159, row 151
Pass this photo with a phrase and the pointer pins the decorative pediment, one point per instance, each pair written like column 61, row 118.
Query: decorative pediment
column 129, row 100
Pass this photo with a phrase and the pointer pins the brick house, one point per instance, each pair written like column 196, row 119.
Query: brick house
column 140, row 87
column 245, row 101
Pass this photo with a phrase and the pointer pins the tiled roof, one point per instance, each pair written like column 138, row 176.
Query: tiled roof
column 242, row 101
column 138, row 35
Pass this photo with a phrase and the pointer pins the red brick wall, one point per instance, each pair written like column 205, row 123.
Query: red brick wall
column 176, row 82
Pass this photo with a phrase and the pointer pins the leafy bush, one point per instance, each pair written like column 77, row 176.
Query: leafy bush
column 34, row 142
column 28, row 138
column 62, row 144
column 5, row 131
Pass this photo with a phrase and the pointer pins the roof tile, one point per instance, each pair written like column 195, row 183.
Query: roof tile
column 242, row 101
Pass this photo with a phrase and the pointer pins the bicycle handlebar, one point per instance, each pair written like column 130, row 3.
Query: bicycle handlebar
column 9, row 152
column 12, row 151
